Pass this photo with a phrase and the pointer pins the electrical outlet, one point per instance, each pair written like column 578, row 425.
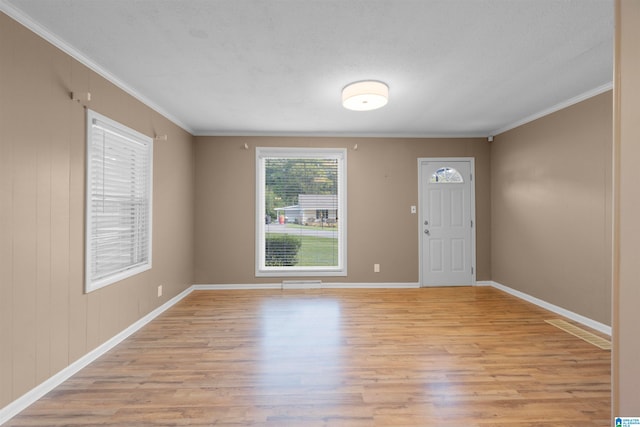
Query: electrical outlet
column 376, row 268
column 413, row 209
column 159, row 291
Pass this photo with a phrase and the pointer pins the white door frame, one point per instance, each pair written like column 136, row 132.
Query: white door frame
column 472, row 168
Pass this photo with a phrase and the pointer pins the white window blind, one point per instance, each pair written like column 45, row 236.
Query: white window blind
column 118, row 211
column 301, row 212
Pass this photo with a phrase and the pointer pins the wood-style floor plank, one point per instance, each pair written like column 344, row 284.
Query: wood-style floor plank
column 470, row 356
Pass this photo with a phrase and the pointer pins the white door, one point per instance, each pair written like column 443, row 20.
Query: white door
column 446, row 222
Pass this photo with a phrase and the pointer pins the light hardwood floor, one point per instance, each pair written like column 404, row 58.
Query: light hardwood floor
column 404, row 357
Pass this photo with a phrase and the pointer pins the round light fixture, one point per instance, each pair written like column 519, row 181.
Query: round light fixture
column 365, row 95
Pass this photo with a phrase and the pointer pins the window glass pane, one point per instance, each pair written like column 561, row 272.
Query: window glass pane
column 301, row 228
column 446, row 176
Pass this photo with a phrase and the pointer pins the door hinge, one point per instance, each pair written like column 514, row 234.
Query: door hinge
column 471, row 270
column 471, row 223
column 470, row 177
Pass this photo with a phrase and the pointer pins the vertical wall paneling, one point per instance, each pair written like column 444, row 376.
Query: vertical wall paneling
column 46, row 319
column 78, row 313
column 60, row 139
column 24, row 214
column 42, row 136
column 626, row 345
column 7, row 71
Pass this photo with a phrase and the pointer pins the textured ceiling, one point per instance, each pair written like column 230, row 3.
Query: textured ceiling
column 277, row 67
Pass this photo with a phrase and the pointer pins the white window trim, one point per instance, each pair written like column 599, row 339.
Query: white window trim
column 301, row 152
column 135, row 137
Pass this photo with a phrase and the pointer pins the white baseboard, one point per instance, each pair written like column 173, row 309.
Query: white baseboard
column 484, row 283
column 21, row 403
column 383, row 285
column 236, row 287
column 323, row 285
column 600, row 327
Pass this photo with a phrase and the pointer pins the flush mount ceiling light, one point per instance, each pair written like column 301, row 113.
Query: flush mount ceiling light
column 365, row 95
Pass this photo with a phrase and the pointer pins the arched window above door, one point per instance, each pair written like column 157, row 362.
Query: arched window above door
column 446, row 176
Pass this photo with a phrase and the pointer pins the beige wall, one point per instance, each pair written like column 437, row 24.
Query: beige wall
column 551, row 208
column 382, row 179
column 626, row 277
column 46, row 321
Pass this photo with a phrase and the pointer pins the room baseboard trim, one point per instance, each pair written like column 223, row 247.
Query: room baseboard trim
column 383, row 285
column 593, row 324
column 236, row 287
column 324, row 285
column 484, row 283
column 30, row 397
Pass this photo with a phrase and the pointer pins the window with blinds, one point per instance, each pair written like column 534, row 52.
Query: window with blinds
column 301, row 212
column 118, row 211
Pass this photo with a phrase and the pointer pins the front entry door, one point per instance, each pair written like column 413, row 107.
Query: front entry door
column 447, row 219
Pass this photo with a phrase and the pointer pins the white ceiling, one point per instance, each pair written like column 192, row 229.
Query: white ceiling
column 277, row 67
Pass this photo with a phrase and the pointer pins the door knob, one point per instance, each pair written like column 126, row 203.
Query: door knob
column 426, row 232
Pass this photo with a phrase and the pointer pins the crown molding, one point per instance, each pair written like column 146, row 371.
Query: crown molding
column 25, row 20
column 560, row 106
